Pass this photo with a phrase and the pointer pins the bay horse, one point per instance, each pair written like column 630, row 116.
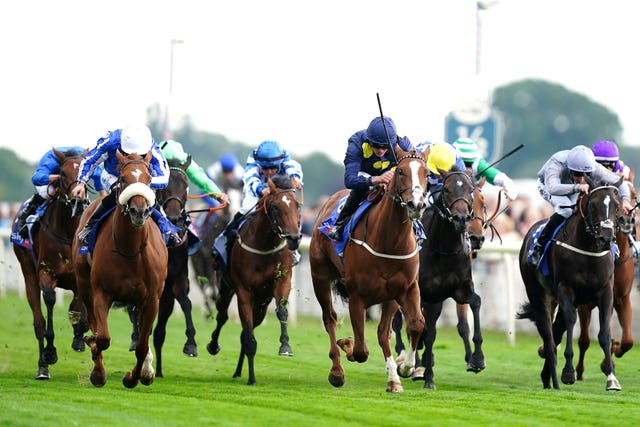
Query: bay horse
column 445, row 268
column 46, row 266
column 128, row 264
column 580, row 271
column 623, row 275
column 173, row 200
column 379, row 266
column 260, row 270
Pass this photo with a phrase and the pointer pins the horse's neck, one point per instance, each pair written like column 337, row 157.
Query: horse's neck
column 442, row 234
column 388, row 225
column 126, row 235
column 258, row 231
column 575, row 231
column 58, row 217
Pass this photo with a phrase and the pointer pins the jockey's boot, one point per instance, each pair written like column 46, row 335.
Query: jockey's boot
column 350, row 206
column 106, row 204
column 553, row 223
column 168, row 230
column 231, row 230
column 32, row 207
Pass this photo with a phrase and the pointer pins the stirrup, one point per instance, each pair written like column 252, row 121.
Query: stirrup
column 84, row 234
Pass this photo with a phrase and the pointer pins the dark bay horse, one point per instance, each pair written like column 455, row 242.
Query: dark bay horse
column 379, row 266
column 48, row 265
column 128, row 264
column 173, row 199
column 623, row 274
column 260, row 270
column 581, row 266
column 445, row 267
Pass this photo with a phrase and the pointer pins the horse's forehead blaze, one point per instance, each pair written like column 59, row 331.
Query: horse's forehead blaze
column 287, row 201
column 136, row 174
column 415, row 166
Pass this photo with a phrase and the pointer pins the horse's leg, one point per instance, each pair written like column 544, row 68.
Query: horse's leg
column 283, row 315
column 584, row 317
column 143, row 369
column 624, row 309
column 165, row 308
column 431, row 313
column 100, row 340
column 78, row 319
column 605, row 307
column 50, row 353
column 222, row 306
column 135, row 328
column 33, row 298
column 570, row 315
column 476, row 364
column 359, row 351
column 462, row 311
column 548, row 375
column 190, row 347
column 389, row 308
column 248, row 341
column 396, row 326
column 410, row 306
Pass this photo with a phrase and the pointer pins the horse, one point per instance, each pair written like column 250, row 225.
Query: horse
column 623, row 274
column 260, row 270
column 213, row 223
column 445, row 268
column 580, row 271
column 128, row 264
column 379, row 266
column 173, row 199
column 46, row 266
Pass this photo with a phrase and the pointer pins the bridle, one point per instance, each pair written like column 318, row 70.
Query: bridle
column 594, row 228
column 445, row 210
column 399, row 192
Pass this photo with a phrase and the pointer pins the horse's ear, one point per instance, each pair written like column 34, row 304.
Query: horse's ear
column 147, row 157
column 399, row 151
column 121, row 158
column 272, row 186
column 59, row 154
column 84, row 153
column 186, row 164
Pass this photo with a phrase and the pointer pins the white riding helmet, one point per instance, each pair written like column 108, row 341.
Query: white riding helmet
column 581, row 159
column 136, row 139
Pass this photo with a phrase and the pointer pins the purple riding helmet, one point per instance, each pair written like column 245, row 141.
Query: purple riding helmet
column 606, row 153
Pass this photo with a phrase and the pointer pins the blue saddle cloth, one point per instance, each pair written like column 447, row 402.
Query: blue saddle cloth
column 220, row 248
column 15, row 235
column 338, row 245
column 91, row 239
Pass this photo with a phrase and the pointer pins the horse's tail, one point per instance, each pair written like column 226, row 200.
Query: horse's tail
column 340, row 289
column 526, row 312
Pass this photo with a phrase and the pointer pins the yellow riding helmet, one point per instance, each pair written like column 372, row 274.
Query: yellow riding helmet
column 441, row 156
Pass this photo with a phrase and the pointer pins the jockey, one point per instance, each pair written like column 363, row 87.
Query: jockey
column 263, row 163
column 133, row 139
column 561, row 180
column 227, row 171
column 369, row 161
column 475, row 163
column 607, row 154
column 46, row 173
column 442, row 156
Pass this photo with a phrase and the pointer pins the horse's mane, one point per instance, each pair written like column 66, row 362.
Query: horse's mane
column 174, row 162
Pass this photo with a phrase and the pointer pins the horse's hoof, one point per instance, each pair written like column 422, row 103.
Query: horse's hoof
column 190, row 350
column 147, row 380
column 430, row 385
column 213, row 349
column 336, row 380
column 43, row 373
column 568, row 378
column 285, row 350
column 418, row 374
column 612, row 383
column 475, row 366
column 128, row 382
column 405, row 371
column 78, row 344
column 97, row 380
column 400, row 358
column 346, row 344
column 394, row 387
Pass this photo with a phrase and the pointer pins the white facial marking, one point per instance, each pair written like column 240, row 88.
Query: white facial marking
column 136, row 173
column 607, row 201
column 286, row 200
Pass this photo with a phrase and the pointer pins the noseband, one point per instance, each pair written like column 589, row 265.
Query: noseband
column 397, row 195
column 266, row 207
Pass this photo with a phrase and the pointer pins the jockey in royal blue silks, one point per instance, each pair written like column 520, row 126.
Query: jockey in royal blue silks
column 263, row 163
column 132, row 139
column 46, row 173
column 369, row 161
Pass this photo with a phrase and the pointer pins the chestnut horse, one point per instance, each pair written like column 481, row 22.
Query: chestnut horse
column 581, row 266
column 623, row 274
column 445, row 268
column 128, row 264
column 379, row 266
column 46, row 266
column 173, row 199
column 260, row 269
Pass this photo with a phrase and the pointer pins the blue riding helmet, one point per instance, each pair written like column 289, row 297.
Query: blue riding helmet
column 376, row 133
column 228, row 162
column 269, row 154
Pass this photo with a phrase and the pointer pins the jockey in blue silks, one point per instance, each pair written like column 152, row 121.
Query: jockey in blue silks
column 133, row 139
column 369, row 161
column 46, row 173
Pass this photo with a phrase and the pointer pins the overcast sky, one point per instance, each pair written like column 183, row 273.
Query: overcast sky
column 303, row 73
